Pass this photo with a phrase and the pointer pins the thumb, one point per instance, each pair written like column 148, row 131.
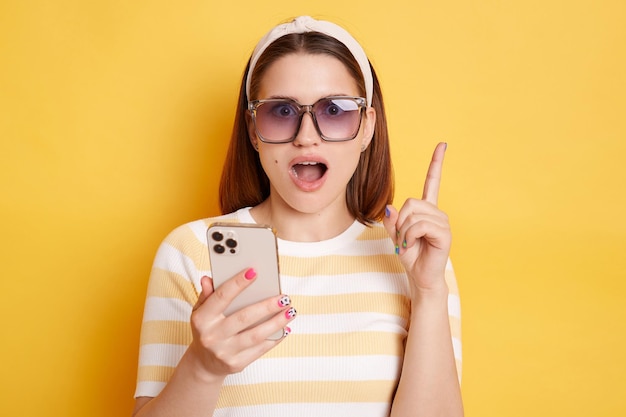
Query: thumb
column 207, row 289
column 389, row 221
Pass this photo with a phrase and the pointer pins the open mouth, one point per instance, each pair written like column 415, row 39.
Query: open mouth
column 309, row 171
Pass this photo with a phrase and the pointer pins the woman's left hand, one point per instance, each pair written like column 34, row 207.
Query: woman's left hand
column 421, row 231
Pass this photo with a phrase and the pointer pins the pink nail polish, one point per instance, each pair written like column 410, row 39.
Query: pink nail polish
column 250, row 274
column 286, row 331
column 284, row 301
column 290, row 313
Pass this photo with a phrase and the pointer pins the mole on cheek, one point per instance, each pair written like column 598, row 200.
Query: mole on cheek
column 275, row 161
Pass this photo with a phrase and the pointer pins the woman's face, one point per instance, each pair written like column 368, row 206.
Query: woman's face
column 310, row 175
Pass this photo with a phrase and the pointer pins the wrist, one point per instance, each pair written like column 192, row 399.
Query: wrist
column 432, row 295
column 193, row 362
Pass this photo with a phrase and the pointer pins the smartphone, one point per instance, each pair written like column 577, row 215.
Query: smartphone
column 234, row 247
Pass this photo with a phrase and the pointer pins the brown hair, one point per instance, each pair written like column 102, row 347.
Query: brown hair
column 244, row 182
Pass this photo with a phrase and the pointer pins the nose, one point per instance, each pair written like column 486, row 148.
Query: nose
column 307, row 134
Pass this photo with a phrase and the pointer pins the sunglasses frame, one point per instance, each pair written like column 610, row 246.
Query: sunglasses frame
column 302, row 109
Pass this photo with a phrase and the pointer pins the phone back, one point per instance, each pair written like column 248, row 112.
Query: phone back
column 234, row 247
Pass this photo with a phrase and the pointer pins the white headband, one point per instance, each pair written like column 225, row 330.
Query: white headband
column 305, row 24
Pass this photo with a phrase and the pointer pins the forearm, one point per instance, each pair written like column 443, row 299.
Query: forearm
column 429, row 384
column 189, row 393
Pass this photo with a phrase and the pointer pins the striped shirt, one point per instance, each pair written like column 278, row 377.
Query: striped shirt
column 345, row 352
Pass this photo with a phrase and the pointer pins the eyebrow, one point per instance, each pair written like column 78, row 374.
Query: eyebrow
column 282, row 97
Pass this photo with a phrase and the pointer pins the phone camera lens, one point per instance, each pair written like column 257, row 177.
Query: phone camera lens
column 231, row 243
column 217, row 236
column 219, row 248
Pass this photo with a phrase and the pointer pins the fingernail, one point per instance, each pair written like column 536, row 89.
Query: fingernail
column 204, row 279
column 250, row 274
column 284, row 301
column 290, row 313
column 404, row 243
column 286, row 331
column 387, row 212
column 397, row 250
column 445, row 146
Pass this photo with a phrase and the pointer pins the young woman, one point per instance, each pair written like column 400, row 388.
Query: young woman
column 374, row 291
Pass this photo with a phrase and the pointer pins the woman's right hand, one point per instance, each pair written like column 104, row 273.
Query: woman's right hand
column 225, row 345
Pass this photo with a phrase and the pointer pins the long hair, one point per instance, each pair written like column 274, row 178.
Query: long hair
column 244, row 182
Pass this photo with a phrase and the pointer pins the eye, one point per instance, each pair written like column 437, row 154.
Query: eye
column 337, row 107
column 333, row 109
column 282, row 109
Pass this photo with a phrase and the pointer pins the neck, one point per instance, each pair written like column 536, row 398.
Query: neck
column 298, row 226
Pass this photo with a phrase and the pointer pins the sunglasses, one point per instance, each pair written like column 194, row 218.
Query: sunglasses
column 336, row 118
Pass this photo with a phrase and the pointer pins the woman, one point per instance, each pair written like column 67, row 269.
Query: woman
column 309, row 155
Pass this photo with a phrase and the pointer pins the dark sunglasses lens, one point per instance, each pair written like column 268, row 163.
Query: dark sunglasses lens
column 277, row 120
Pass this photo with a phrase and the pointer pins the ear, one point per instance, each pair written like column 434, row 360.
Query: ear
column 369, row 123
column 254, row 140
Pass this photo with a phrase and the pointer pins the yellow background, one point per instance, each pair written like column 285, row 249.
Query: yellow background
column 114, row 119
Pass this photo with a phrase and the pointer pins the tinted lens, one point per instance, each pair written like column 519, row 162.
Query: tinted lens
column 338, row 118
column 277, row 120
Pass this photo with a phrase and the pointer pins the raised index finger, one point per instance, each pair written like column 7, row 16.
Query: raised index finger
column 433, row 177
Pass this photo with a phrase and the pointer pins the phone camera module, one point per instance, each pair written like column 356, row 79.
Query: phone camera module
column 224, row 241
column 232, row 244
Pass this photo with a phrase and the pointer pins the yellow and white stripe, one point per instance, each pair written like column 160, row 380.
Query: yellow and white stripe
column 345, row 352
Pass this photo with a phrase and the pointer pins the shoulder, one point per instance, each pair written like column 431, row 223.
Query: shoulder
column 374, row 231
column 183, row 254
column 188, row 241
column 193, row 233
column 375, row 237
